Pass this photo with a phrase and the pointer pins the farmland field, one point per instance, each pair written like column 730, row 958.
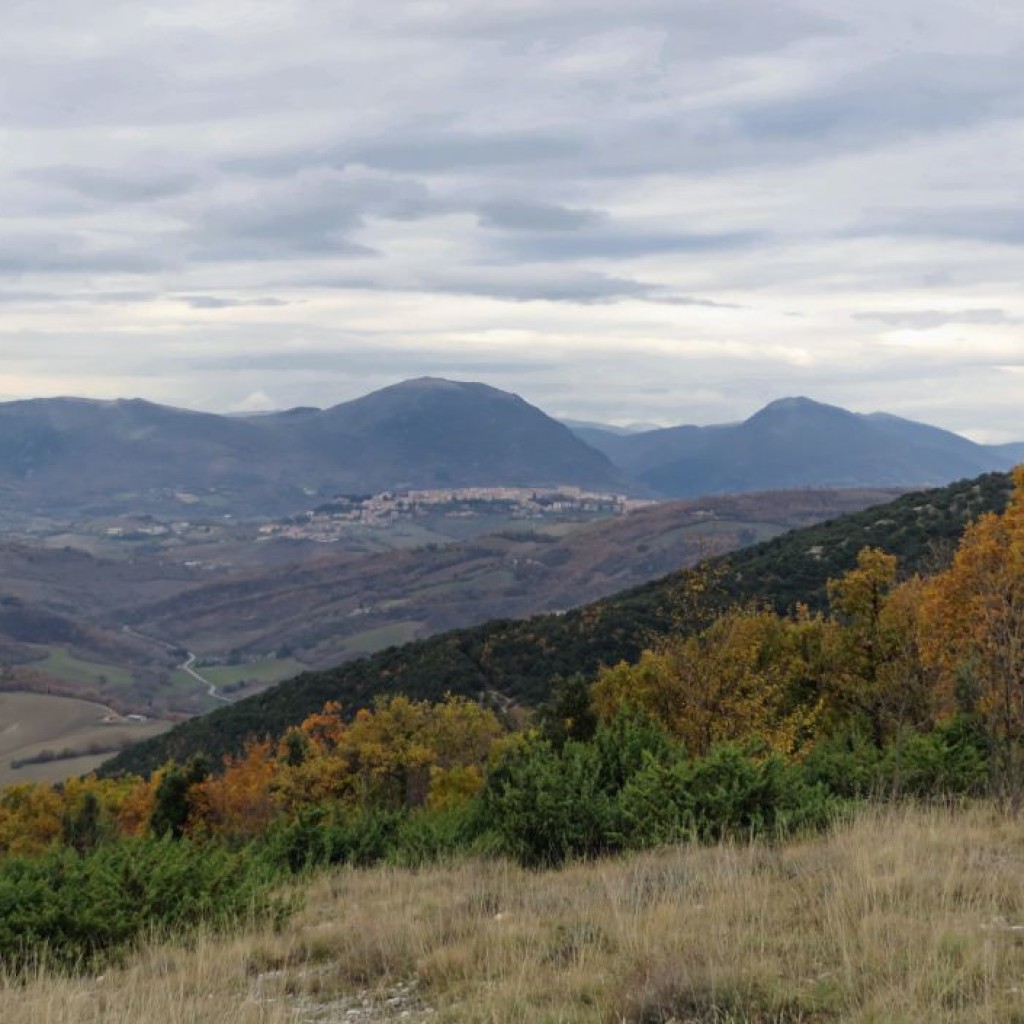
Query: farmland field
column 31, row 723
column 59, row 662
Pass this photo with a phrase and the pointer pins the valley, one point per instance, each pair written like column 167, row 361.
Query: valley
column 164, row 562
column 111, row 616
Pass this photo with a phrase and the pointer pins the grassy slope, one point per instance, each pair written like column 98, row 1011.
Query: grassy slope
column 904, row 915
column 520, row 658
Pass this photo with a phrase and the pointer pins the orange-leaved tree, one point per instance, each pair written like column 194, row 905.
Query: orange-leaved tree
column 240, row 803
column 973, row 632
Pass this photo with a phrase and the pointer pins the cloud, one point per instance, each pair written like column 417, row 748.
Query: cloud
column 630, row 198
column 117, row 185
column 224, row 302
column 928, row 319
column 916, row 93
column 46, row 253
column 998, row 224
column 525, row 216
column 624, row 243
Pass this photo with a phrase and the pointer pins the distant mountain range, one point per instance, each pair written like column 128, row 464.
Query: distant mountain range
column 71, row 457
column 74, row 456
column 796, row 442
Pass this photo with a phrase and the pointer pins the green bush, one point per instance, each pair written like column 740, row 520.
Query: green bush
column 732, row 794
column 427, row 836
column 654, row 806
column 321, row 837
column 848, row 766
column 79, row 911
column 954, row 760
column 546, row 806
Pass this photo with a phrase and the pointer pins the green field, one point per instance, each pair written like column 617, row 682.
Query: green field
column 270, row 670
column 61, row 664
column 391, row 635
column 251, row 675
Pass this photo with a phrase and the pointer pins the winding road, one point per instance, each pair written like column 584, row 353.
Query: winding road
column 185, row 666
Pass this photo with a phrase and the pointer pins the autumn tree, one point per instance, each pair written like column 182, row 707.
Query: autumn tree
column 401, row 749
column 240, row 803
column 973, row 632
column 399, row 753
column 875, row 676
column 30, row 818
column 743, row 677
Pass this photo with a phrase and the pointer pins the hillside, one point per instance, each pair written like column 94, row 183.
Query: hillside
column 519, row 660
column 895, row 916
column 341, row 606
column 69, row 456
column 795, row 442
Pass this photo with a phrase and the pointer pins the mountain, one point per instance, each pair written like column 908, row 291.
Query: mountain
column 439, row 433
column 1014, row 452
column 517, row 661
column 578, row 427
column 796, row 442
column 71, row 456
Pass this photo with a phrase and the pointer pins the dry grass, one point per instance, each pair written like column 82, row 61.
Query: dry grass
column 904, row 916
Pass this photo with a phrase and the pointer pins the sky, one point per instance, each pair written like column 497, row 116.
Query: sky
column 666, row 211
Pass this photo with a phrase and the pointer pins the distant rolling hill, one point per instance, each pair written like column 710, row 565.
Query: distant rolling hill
column 520, row 659
column 340, row 606
column 70, row 456
column 795, row 442
column 116, row 629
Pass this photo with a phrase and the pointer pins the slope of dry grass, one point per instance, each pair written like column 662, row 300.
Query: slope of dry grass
column 903, row 916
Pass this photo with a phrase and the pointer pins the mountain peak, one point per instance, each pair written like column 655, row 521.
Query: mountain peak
column 427, row 384
column 798, row 404
column 792, row 402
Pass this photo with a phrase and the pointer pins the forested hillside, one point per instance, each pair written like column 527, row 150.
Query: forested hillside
column 519, row 660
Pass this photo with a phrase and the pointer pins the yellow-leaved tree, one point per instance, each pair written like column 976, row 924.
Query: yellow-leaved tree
column 876, row 678
column 973, row 632
column 743, row 677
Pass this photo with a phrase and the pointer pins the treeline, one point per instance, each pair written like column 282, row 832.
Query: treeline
column 521, row 659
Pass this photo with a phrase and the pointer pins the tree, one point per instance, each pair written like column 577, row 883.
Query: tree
column 569, row 713
column 875, row 675
column 743, row 677
column 30, row 818
column 172, row 797
column 240, row 803
column 973, row 632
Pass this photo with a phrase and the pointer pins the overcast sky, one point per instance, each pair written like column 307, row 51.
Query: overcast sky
column 663, row 210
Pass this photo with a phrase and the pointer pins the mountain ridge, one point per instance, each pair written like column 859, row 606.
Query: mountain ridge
column 72, row 456
column 798, row 442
